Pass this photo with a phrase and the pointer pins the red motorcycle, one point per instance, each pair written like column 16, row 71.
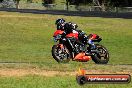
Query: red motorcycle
column 69, row 47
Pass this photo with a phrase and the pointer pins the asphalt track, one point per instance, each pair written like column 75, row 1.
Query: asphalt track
column 125, row 15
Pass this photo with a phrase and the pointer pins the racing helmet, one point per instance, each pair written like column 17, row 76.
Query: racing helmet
column 59, row 21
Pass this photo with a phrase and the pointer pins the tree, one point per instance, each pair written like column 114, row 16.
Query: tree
column 121, row 3
column 1, row 1
column 67, row 4
column 77, row 2
column 48, row 1
column 29, row 1
column 8, row 4
column 99, row 3
column 17, row 3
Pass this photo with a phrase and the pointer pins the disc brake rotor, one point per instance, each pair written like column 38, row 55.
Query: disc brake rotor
column 62, row 53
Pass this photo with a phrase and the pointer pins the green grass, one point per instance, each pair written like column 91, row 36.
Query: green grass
column 51, row 82
column 28, row 38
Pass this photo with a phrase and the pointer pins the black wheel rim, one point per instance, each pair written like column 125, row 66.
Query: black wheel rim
column 103, row 55
column 62, row 54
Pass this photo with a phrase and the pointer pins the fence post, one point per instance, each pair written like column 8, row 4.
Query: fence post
column 67, row 5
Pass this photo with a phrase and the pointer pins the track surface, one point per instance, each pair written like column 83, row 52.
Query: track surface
column 9, row 72
column 17, row 72
column 126, row 15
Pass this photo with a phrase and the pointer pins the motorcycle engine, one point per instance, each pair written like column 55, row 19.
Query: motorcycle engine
column 79, row 48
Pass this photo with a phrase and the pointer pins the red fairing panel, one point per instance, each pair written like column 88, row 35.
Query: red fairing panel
column 82, row 57
column 94, row 36
column 75, row 35
column 58, row 32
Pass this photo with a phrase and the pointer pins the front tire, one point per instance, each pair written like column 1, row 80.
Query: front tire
column 59, row 55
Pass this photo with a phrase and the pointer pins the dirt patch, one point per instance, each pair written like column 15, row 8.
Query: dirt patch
column 23, row 72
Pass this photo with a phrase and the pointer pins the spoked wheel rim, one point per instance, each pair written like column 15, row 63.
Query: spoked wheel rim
column 103, row 54
column 62, row 54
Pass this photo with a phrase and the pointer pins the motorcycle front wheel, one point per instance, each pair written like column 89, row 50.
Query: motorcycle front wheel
column 61, row 54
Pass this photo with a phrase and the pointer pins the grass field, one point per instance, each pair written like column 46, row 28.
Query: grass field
column 26, row 39
column 51, row 82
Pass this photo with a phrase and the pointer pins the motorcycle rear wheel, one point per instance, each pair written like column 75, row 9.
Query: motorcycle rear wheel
column 102, row 57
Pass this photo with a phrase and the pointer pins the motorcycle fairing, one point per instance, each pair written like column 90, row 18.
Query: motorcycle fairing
column 82, row 57
column 75, row 35
column 58, row 32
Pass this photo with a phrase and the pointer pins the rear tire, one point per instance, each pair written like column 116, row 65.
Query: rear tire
column 57, row 58
column 97, row 58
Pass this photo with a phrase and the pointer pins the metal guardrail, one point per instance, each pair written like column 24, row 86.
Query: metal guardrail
column 128, row 9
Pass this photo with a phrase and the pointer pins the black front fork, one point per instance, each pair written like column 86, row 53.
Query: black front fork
column 69, row 45
column 90, row 50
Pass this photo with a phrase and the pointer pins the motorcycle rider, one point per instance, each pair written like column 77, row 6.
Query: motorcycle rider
column 69, row 27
